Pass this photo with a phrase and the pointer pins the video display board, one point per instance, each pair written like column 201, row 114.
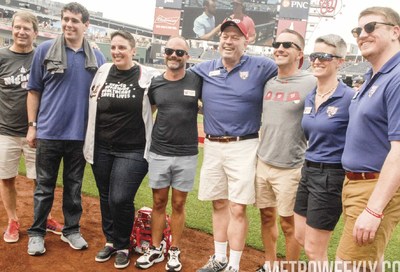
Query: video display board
column 263, row 13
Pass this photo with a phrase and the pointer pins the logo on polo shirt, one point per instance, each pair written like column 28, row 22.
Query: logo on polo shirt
column 372, row 90
column 331, row 111
column 244, row 75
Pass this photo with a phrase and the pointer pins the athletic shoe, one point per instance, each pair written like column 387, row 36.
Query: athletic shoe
column 36, row 246
column 151, row 256
column 75, row 240
column 105, row 253
column 11, row 235
column 213, row 265
column 53, row 226
column 122, row 259
column 261, row 269
column 174, row 262
column 231, row 269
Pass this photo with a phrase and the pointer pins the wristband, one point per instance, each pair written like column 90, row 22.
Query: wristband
column 32, row 124
column 371, row 212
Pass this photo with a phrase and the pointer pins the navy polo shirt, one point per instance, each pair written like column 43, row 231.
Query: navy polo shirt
column 374, row 119
column 325, row 129
column 232, row 101
column 64, row 98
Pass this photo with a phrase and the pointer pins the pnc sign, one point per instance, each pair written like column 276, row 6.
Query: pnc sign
column 294, row 9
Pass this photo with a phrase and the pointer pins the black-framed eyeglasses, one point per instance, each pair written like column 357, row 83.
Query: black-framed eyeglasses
column 322, row 56
column 178, row 52
column 285, row 45
column 368, row 28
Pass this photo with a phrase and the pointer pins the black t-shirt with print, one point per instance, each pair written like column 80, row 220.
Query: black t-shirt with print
column 119, row 122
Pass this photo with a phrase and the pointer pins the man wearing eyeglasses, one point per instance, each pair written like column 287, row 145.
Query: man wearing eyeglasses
column 282, row 146
column 173, row 150
column 232, row 104
column 372, row 149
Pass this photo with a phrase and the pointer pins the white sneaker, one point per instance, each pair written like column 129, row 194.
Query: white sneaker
column 151, row 256
column 174, row 262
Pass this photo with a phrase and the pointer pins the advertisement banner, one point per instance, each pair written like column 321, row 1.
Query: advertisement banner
column 294, row 9
column 166, row 22
column 298, row 26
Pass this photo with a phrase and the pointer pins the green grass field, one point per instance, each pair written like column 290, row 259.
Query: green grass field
column 199, row 215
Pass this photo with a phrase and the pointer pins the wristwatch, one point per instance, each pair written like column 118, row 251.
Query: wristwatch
column 32, row 124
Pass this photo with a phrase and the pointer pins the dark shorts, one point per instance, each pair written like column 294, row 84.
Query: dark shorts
column 319, row 197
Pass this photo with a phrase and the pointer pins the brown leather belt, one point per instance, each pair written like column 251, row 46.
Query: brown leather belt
column 365, row 175
column 227, row 139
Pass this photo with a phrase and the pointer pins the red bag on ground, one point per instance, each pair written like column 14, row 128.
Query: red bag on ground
column 141, row 231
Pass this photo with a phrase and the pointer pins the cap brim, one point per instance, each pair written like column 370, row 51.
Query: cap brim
column 232, row 23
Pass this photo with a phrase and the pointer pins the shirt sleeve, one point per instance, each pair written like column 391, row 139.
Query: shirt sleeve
column 198, row 28
column 392, row 98
column 36, row 74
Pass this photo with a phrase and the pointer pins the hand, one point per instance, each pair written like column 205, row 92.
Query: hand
column 31, row 137
column 365, row 228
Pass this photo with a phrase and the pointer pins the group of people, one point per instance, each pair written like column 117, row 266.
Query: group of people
column 295, row 144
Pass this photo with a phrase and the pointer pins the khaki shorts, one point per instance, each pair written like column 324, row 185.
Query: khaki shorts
column 276, row 187
column 11, row 149
column 228, row 171
column 355, row 197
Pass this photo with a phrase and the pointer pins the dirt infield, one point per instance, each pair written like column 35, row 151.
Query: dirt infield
column 196, row 246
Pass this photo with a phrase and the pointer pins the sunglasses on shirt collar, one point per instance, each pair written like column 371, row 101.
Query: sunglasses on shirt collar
column 322, row 56
column 285, row 45
column 178, row 52
column 368, row 28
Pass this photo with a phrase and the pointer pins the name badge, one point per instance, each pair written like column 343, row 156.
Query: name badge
column 214, row 73
column 189, row 92
column 307, row 110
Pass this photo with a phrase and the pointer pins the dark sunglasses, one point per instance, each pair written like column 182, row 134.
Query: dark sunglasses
column 178, row 52
column 322, row 56
column 286, row 45
column 368, row 28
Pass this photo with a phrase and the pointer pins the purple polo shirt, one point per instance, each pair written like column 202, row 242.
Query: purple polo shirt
column 325, row 129
column 374, row 119
column 232, row 101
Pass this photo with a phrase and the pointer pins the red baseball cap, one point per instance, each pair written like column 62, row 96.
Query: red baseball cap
column 237, row 23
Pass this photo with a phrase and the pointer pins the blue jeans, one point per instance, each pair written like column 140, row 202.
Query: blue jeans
column 118, row 177
column 48, row 158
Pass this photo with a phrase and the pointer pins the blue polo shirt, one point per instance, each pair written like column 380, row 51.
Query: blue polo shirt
column 374, row 119
column 232, row 101
column 64, row 98
column 325, row 129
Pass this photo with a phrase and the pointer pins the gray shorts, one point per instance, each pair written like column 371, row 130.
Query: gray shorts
column 177, row 172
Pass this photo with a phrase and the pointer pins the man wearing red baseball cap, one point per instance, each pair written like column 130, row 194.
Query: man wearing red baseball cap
column 237, row 23
column 232, row 97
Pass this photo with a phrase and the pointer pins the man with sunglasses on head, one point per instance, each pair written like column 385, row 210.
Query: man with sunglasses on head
column 232, row 105
column 371, row 195
column 173, row 150
column 282, row 146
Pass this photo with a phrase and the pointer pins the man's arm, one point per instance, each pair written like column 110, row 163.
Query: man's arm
column 389, row 182
column 210, row 35
column 33, row 101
